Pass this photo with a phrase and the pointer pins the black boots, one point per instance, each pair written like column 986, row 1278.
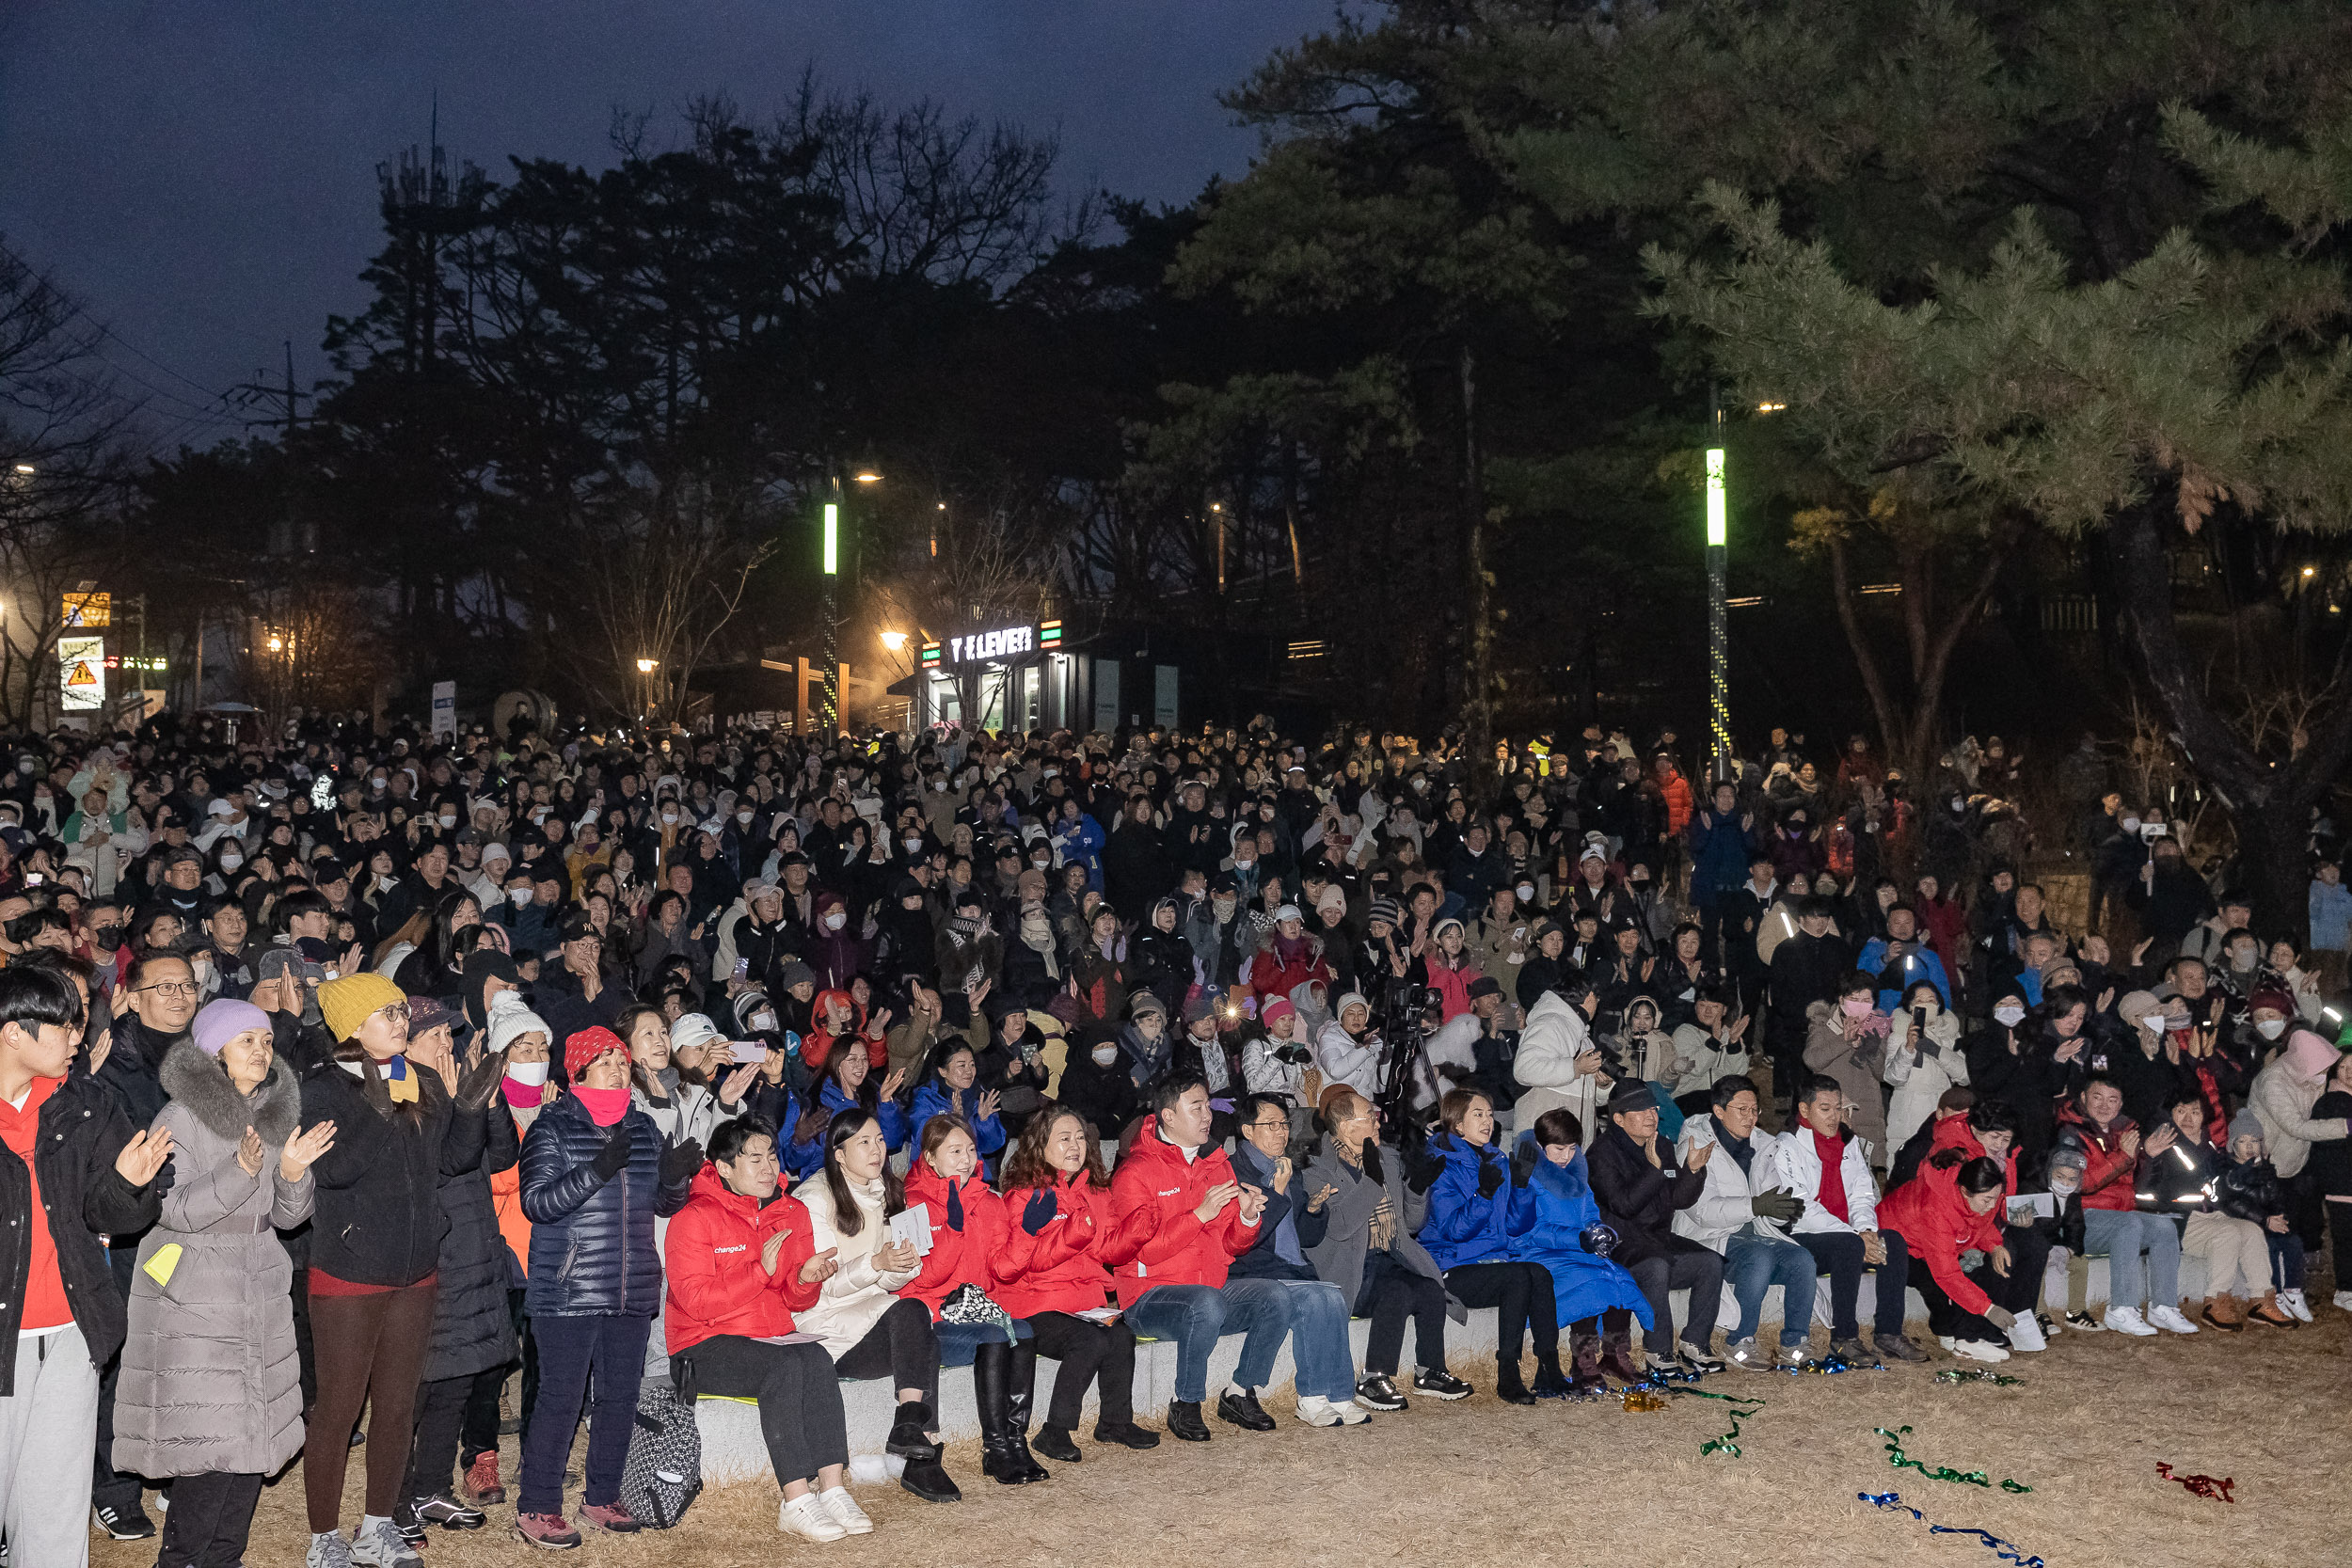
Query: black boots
column 1002, row 1377
column 910, row 1440
column 1185, row 1423
column 1508, row 1389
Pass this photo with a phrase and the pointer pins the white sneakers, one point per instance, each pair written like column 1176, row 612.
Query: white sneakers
column 845, row 1510
column 2343, row 1300
column 2167, row 1317
column 1978, row 1350
column 1316, row 1411
column 2025, row 1334
column 2126, row 1320
column 807, row 1517
column 2293, row 1305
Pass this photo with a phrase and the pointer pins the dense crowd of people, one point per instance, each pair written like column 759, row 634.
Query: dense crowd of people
column 355, row 1072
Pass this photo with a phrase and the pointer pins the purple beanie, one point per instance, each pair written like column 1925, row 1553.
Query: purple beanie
column 223, row 1020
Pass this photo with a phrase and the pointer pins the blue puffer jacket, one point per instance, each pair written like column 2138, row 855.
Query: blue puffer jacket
column 1462, row 1227
column 592, row 1250
column 988, row 1132
column 1549, row 1231
column 804, row 1160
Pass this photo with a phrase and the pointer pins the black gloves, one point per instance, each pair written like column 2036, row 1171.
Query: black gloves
column 613, row 1158
column 680, row 1162
column 1489, row 1178
column 478, row 1083
column 955, row 1207
column 1039, row 1212
column 1421, row 1168
column 1523, row 1162
column 1777, row 1203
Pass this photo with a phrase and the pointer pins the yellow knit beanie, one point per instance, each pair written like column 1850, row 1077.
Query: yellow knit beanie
column 346, row 1003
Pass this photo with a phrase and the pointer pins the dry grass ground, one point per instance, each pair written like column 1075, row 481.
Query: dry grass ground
column 1485, row 1482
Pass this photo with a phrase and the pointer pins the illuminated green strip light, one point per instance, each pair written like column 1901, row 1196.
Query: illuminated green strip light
column 931, row 655
column 833, row 526
column 1049, row 634
column 1715, row 530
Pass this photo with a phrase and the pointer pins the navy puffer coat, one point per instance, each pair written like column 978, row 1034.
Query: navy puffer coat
column 592, row 1247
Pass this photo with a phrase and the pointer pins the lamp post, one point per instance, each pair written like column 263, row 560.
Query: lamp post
column 834, row 519
column 1718, row 629
column 646, row 667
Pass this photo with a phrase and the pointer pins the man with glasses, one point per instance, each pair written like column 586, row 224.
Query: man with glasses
column 579, row 995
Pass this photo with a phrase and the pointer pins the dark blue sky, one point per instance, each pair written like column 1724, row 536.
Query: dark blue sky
column 203, row 174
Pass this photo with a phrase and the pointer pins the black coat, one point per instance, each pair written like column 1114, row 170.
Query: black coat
column 592, row 1251
column 1804, row 970
column 82, row 1132
column 379, row 1219
column 473, row 1330
column 129, row 1074
column 1639, row 1199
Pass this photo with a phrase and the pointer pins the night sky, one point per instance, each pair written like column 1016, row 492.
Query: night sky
column 202, row 175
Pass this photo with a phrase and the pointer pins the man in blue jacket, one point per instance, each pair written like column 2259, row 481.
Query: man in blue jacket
column 1899, row 958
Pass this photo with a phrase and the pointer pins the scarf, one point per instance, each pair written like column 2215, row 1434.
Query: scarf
column 1037, row 935
column 604, row 1106
column 1381, row 1234
column 1260, row 1169
column 1741, row 1150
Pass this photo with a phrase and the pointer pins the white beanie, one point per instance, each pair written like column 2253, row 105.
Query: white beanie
column 511, row 1017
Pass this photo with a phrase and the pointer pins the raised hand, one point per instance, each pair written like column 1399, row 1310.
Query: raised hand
column 894, row 1082
column 1700, row 1154
column 1039, row 1212
column 305, row 1150
column 143, row 1156
column 989, row 1102
column 821, row 1266
column 731, row 1086
column 249, row 1152
column 771, row 1250
column 1212, row 1202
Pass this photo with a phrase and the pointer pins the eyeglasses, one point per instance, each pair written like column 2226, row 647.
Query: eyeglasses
column 1282, row 1126
column 396, row 1011
column 170, row 988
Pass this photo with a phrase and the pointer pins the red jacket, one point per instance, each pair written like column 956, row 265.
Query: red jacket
column 957, row 1257
column 816, row 1050
column 1953, row 1133
column 711, row 1253
column 1066, row 1267
column 1180, row 1248
column 1937, row 1224
column 1674, row 790
column 2109, row 1176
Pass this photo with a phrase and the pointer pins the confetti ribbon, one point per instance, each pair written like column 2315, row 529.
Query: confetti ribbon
column 1977, row 1374
column 1728, row 1443
column 2008, row 1551
column 2202, row 1486
column 1830, row 1366
column 1639, row 1401
column 1901, row 1460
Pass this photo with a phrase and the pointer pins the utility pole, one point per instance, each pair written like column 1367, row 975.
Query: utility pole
column 832, row 714
column 1718, row 627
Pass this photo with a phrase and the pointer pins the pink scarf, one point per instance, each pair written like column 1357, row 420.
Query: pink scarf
column 605, row 1106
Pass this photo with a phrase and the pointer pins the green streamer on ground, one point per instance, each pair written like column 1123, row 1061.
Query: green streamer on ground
column 1977, row 1374
column 1901, row 1460
column 1728, row 1443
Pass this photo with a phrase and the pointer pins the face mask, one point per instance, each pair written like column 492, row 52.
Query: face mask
column 835, row 921
column 448, row 819
column 939, row 788
column 1856, row 1006
column 530, row 1073
column 2130, row 824
column 520, row 895
column 1527, row 892
column 108, row 937
column 1104, row 1054
column 2009, row 1017
column 669, row 816
column 2153, row 1022
column 764, row 1022
column 914, row 845
column 230, row 863
column 745, row 817
column 2270, row 1028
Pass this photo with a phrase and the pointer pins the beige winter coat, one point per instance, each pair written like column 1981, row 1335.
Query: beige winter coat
column 854, row 1299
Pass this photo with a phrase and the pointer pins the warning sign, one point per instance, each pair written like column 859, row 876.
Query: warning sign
column 88, row 609
column 82, row 673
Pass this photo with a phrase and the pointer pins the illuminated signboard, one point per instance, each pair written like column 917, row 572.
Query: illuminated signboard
column 1009, row 643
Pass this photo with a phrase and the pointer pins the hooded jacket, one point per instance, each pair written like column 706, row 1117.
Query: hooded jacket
column 1464, row 1225
column 1937, row 1224
column 711, row 1263
column 2108, row 1172
column 1556, row 1035
column 1180, row 1248
column 1548, row 1228
column 818, row 1045
column 1066, row 1266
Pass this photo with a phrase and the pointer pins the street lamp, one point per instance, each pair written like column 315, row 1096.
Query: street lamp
column 644, row 666
column 1718, row 624
column 895, row 641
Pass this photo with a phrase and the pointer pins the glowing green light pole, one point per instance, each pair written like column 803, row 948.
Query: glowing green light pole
column 832, row 718
column 1718, row 631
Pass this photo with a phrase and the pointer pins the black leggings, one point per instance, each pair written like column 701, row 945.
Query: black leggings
column 443, row 1406
column 1088, row 1352
column 1524, row 1304
column 799, row 1395
column 210, row 1517
column 1944, row 1315
column 1392, row 1293
column 901, row 1346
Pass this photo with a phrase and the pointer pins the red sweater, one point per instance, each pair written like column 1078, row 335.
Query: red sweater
column 1066, row 1267
column 711, row 1253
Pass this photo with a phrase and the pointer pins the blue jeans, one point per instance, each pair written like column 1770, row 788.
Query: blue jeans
column 2123, row 1234
column 1194, row 1317
column 1754, row 1264
column 1317, row 1316
column 957, row 1343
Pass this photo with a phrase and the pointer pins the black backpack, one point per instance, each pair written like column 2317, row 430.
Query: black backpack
column 664, row 1472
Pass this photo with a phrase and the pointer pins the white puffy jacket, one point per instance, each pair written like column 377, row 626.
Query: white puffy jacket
column 1556, row 1035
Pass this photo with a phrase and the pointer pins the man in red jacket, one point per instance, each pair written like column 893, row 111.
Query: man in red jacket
column 1175, row 1287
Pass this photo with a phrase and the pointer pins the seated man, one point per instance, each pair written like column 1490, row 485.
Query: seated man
column 1291, row 1223
column 1740, row 1217
column 1822, row 1162
column 1640, row 1187
column 1177, row 1286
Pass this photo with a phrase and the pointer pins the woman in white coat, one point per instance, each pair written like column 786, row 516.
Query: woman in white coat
column 1557, row 1063
column 1923, row 1059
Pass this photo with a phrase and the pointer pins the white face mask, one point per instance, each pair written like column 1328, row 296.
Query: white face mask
column 520, row 895
column 835, row 921
column 448, row 819
column 764, row 1022
column 2270, row 1028
column 1104, row 1054
column 669, row 816
column 2009, row 1017
column 529, row 1074
column 1527, row 892
column 914, row 845
column 230, row 863
column 2130, row 824
column 2155, row 1022
column 745, row 817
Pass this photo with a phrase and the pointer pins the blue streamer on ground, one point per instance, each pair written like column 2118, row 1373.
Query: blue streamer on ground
column 2009, row 1551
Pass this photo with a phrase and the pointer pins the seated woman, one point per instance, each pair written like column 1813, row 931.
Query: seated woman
column 848, row 1083
column 1358, row 1233
column 967, row 1223
column 2112, row 1151
column 1467, row 1233
column 1059, row 1246
column 741, row 1258
column 864, row 1325
column 950, row 1090
column 1938, row 1221
column 1558, row 1232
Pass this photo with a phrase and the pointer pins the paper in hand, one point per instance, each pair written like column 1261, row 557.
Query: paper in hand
column 2023, row 1207
column 912, row 1227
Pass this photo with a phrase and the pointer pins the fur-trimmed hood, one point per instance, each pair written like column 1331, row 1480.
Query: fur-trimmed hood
column 198, row 1081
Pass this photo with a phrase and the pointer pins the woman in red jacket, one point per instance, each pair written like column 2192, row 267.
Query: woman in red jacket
column 1938, row 1220
column 967, row 1227
column 742, row 1259
column 1059, row 1246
